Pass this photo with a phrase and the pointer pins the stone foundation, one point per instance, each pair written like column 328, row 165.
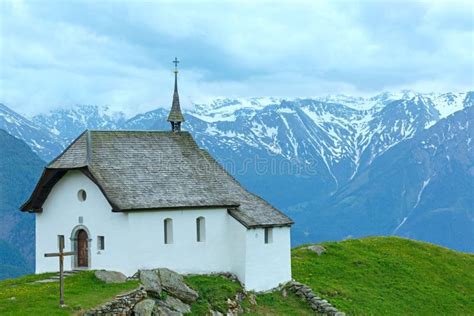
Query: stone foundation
column 121, row 305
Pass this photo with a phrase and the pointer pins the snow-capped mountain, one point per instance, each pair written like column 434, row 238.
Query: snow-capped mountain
column 339, row 134
column 421, row 189
column 40, row 140
column 334, row 135
column 67, row 124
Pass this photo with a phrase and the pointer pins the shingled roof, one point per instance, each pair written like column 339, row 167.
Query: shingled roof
column 148, row 170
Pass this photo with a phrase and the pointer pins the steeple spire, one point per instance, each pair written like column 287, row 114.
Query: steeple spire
column 175, row 117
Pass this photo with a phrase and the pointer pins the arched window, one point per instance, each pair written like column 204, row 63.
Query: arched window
column 268, row 235
column 168, row 227
column 201, row 229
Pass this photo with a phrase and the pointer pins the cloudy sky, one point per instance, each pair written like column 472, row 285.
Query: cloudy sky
column 118, row 53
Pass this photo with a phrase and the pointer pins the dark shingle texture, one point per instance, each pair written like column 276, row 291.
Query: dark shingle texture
column 75, row 156
column 153, row 170
column 175, row 113
column 253, row 210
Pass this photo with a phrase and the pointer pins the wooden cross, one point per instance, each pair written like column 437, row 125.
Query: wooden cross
column 61, row 255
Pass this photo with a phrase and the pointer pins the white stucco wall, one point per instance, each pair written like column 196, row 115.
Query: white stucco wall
column 267, row 265
column 61, row 212
column 136, row 240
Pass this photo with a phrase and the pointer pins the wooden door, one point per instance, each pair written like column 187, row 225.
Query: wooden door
column 82, row 249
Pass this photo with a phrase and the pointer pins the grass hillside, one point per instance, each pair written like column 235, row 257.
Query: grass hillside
column 83, row 291
column 389, row 276
column 370, row 276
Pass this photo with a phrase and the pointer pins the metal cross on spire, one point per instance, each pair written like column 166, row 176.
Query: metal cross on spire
column 176, row 62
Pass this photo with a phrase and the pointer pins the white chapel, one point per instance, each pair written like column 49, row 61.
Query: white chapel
column 129, row 200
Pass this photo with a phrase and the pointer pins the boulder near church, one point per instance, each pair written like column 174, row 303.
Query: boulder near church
column 129, row 200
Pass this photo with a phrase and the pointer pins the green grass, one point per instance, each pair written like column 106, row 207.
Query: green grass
column 214, row 291
column 82, row 291
column 370, row 276
column 389, row 276
column 275, row 304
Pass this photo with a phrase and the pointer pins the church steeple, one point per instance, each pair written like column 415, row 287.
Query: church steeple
column 175, row 117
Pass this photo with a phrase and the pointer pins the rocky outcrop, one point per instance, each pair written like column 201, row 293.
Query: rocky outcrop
column 144, row 308
column 169, row 306
column 174, row 284
column 157, row 280
column 317, row 304
column 175, row 304
column 151, row 282
column 165, row 311
column 110, row 276
column 164, row 293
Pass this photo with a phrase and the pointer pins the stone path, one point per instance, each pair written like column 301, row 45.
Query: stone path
column 56, row 277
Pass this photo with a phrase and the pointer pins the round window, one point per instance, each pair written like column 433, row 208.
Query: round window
column 81, row 195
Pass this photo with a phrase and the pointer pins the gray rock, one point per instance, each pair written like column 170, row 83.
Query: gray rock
column 317, row 249
column 174, row 284
column 340, row 314
column 252, row 299
column 306, row 290
column 110, row 276
column 330, row 309
column 175, row 304
column 239, row 297
column 215, row 313
column 234, row 307
column 318, row 303
column 314, row 306
column 151, row 282
column 164, row 311
column 144, row 308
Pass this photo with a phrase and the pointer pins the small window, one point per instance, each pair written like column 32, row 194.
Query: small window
column 168, row 225
column 100, row 243
column 268, row 235
column 81, row 195
column 61, row 242
column 200, row 229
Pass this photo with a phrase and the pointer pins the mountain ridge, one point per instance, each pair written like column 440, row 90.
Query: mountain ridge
column 421, row 186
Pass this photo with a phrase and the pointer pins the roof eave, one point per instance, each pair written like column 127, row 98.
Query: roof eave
column 272, row 225
column 180, row 207
column 250, row 226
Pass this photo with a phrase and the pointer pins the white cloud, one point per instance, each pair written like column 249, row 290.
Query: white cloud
column 63, row 53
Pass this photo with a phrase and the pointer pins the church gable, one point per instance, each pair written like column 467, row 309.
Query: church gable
column 76, row 192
